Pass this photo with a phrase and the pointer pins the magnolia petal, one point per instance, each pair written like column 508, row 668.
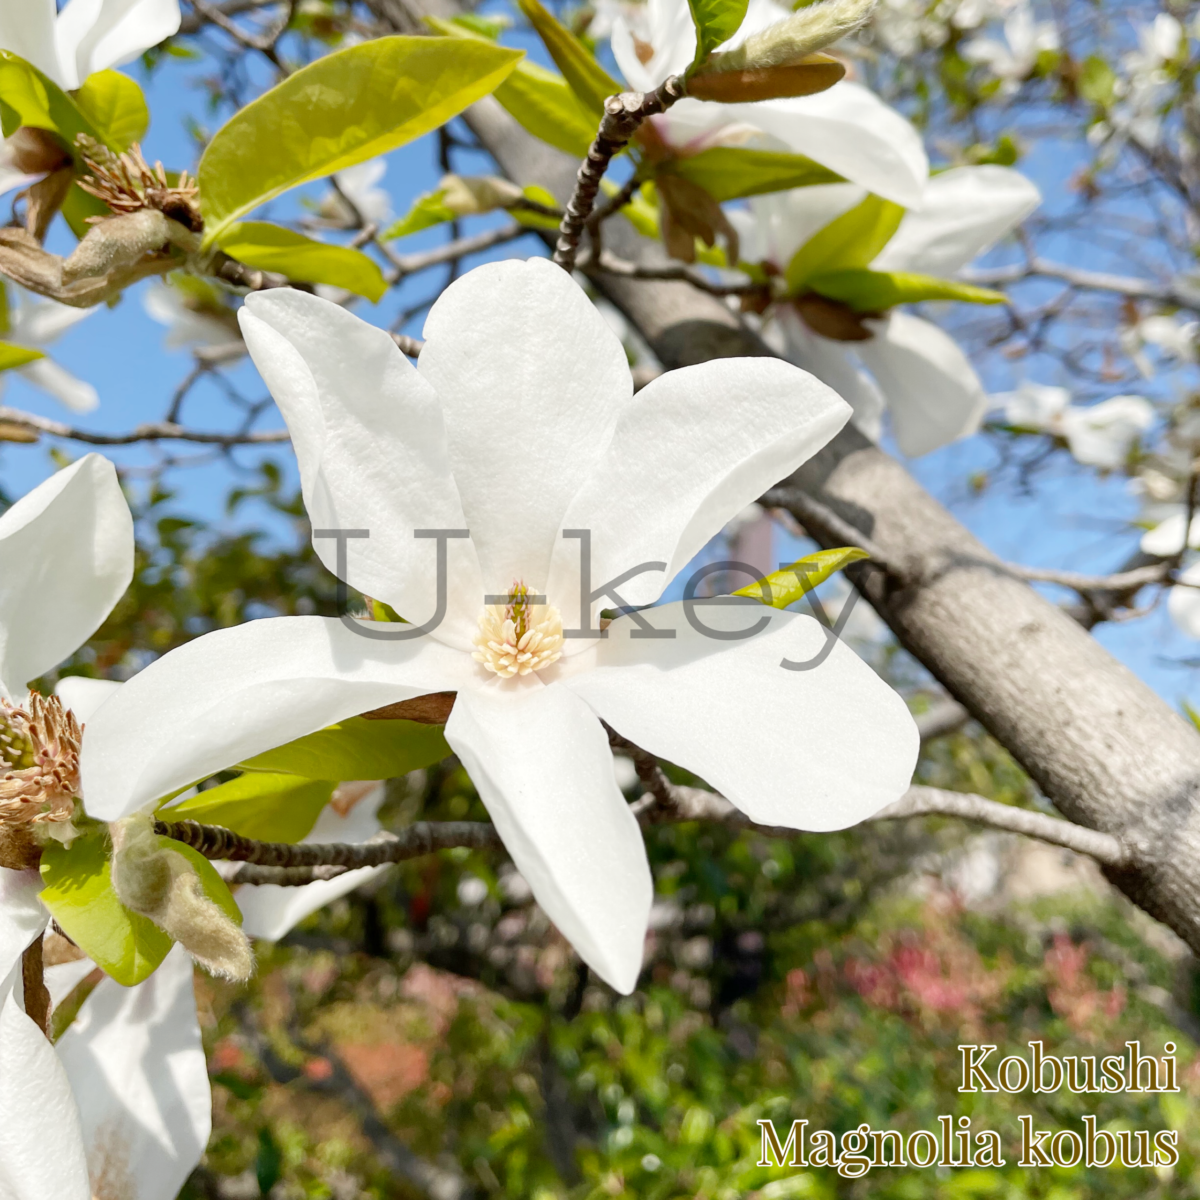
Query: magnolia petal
column 22, row 916
column 66, row 557
column 833, row 363
column 776, row 225
column 666, row 27
column 27, row 29
column 75, row 393
column 543, row 768
column 1102, row 435
column 815, row 749
column 37, row 321
column 1184, row 602
column 965, row 211
column 84, row 696
column 93, row 35
column 238, row 692
column 1166, row 538
column 371, row 444
column 692, row 450
column 136, row 1065
column 932, row 390
column 531, row 380
column 62, row 979
column 270, row 911
column 851, row 131
column 41, row 1147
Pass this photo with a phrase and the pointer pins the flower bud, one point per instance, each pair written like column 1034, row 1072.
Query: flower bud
column 162, row 884
column 467, row 195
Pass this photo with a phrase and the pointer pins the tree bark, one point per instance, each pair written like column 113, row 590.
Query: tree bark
column 1104, row 747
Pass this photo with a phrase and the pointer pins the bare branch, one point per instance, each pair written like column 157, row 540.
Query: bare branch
column 156, row 431
column 943, row 717
column 410, row 264
column 1124, row 581
column 610, row 264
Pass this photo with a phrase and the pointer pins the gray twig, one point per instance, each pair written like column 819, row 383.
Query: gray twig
column 154, row 431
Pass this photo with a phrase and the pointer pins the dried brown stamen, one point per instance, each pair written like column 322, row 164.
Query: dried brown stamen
column 127, row 184
column 39, row 761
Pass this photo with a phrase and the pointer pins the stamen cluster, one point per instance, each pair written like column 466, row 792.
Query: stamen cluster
column 518, row 637
column 39, row 761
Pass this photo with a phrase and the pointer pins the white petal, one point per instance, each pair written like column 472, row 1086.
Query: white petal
column 237, row 692
column 1184, row 602
column 41, row 1148
column 815, row 749
column 66, row 557
column 1166, row 538
column 965, row 211
column 270, row 911
column 851, row 131
column 61, row 979
column 692, row 450
column 94, row 35
column 1033, row 405
column 1102, row 435
column 83, row 696
column 37, row 322
column 932, row 390
column 543, row 768
column 76, row 394
column 833, row 363
column 666, row 26
column 371, row 445
column 22, row 916
column 531, row 381
column 27, row 29
column 784, row 221
column 136, row 1066
column 11, row 178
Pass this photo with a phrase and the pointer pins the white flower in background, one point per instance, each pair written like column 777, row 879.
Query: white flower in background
column 189, row 321
column 1098, row 435
column 86, row 36
column 1013, row 58
column 358, row 184
column 907, row 365
column 1184, row 601
column 847, row 128
column 37, row 323
column 518, row 424
column 68, row 46
column 1170, row 335
column 120, row 1106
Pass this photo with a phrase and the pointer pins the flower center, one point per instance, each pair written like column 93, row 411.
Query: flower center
column 39, row 761
column 518, row 637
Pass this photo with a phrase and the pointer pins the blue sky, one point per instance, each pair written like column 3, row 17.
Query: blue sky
column 1070, row 519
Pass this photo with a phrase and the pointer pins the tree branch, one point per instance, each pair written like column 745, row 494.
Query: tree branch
column 155, row 431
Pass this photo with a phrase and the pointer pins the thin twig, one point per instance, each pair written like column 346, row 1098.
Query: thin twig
column 1124, row 581
column 156, row 431
column 609, row 264
column 623, row 116
column 814, row 515
column 410, row 264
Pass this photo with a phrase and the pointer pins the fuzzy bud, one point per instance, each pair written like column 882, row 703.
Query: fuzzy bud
column 788, row 41
column 467, row 195
column 116, row 244
column 160, row 883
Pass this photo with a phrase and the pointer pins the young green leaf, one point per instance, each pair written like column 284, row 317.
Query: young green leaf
column 427, row 211
column 79, row 893
column 357, row 749
column 27, row 97
column 340, row 110
column 588, row 79
column 851, row 240
column 872, row 291
column 731, row 172
column 716, row 22
column 268, row 247
column 259, row 804
column 17, row 356
column 781, row 588
column 115, row 106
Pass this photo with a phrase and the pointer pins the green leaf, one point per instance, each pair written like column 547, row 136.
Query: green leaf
column 115, row 106
column 259, row 804
column 851, row 240
column 1097, row 81
column 540, row 101
column 268, row 247
column 731, row 172
column 27, row 97
column 785, row 587
column 716, row 22
column 1191, row 714
column 587, row 78
column 79, row 893
column 340, row 110
column 872, row 291
column 642, row 211
column 357, row 749
column 17, row 356
column 537, row 220
column 427, row 211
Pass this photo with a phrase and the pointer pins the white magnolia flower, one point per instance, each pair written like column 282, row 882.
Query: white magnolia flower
column 1013, row 58
column 1173, row 337
column 1184, row 601
column 188, row 323
column 86, row 36
column 520, row 426
column 120, row 1105
column 908, row 365
column 1098, row 435
column 847, row 128
column 37, row 323
column 358, row 184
